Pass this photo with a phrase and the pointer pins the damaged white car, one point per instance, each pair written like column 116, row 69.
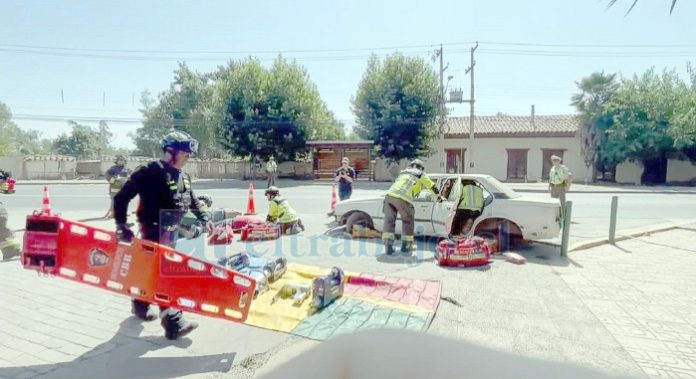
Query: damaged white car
column 505, row 211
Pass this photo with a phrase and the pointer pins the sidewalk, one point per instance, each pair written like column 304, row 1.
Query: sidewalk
column 625, row 310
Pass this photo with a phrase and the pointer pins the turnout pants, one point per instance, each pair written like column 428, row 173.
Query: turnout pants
column 392, row 208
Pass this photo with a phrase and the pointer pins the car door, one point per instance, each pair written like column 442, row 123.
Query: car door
column 451, row 188
column 423, row 205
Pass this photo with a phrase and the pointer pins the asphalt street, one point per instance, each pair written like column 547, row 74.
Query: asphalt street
column 591, row 211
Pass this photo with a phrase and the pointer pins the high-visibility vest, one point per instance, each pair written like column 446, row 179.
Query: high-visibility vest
column 408, row 184
column 281, row 211
column 271, row 166
column 472, row 198
column 558, row 175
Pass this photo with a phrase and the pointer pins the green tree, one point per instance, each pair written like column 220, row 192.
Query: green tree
column 186, row 106
column 16, row 141
column 264, row 112
column 596, row 91
column 398, row 104
column 85, row 142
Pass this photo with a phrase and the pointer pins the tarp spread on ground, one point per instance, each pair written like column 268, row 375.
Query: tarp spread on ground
column 368, row 302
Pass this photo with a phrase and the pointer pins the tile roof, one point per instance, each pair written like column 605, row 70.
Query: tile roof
column 553, row 125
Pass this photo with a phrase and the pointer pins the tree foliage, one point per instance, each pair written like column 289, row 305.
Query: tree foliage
column 85, row 142
column 398, row 104
column 612, row 2
column 646, row 118
column 184, row 106
column 270, row 112
column 16, row 141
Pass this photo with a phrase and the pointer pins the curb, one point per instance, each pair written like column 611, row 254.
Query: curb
column 630, row 235
column 625, row 236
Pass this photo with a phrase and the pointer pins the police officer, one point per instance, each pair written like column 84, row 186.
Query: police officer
column 469, row 208
column 116, row 175
column 399, row 200
column 271, row 171
column 165, row 196
column 9, row 245
column 560, row 179
column 280, row 212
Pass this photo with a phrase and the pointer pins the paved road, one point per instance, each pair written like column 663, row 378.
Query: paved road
column 590, row 210
column 545, row 309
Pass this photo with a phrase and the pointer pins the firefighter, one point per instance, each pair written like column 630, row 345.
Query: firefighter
column 469, row 208
column 399, row 200
column 9, row 245
column 205, row 203
column 165, row 196
column 116, row 175
column 280, row 212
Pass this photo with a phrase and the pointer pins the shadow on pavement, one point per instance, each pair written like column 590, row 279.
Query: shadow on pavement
column 122, row 357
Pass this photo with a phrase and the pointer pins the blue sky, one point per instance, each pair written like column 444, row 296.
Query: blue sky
column 531, row 52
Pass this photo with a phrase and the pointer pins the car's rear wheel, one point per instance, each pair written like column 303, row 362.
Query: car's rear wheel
column 507, row 233
column 358, row 218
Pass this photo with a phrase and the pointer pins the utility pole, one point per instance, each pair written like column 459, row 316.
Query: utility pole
column 439, row 54
column 470, row 70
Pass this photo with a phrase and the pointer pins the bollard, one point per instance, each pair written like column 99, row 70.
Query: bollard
column 567, row 214
column 612, row 220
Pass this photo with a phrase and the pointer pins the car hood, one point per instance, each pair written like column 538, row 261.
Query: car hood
column 349, row 204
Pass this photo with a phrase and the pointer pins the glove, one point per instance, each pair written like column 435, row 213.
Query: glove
column 209, row 227
column 124, row 234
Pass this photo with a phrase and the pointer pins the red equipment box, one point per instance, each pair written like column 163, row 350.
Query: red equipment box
column 144, row 270
column 260, row 232
column 473, row 251
column 8, row 185
column 223, row 234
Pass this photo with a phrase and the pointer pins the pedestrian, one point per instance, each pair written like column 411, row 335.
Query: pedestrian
column 9, row 244
column 271, row 171
column 560, row 179
column 281, row 213
column 399, row 200
column 116, row 175
column 165, row 196
column 469, row 208
column 345, row 176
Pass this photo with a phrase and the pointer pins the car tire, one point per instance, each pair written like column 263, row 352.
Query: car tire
column 359, row 218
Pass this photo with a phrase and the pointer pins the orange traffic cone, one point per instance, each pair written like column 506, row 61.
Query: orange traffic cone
column 334, row 200
column 46, row 203
column 251, row 207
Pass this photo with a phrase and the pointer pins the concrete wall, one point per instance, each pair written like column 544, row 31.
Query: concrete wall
column 13, row 165
column 677, row 171
column 490, row 155
column 681, row 171
column 629, row 173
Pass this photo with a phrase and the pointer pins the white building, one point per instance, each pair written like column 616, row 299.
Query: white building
column 511, row 148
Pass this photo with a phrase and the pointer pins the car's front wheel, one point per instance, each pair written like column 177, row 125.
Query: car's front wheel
column 359, row 218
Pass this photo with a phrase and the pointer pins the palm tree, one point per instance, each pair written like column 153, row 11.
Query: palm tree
column 596, row 91
column 612, row 2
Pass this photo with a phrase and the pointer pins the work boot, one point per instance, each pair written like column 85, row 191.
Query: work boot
column 175, row 325
column 142, row 310
column 388, row 247
column 10, row 252
column 407, row 248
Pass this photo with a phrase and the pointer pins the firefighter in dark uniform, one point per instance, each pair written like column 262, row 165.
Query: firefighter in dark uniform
column 165, row 196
